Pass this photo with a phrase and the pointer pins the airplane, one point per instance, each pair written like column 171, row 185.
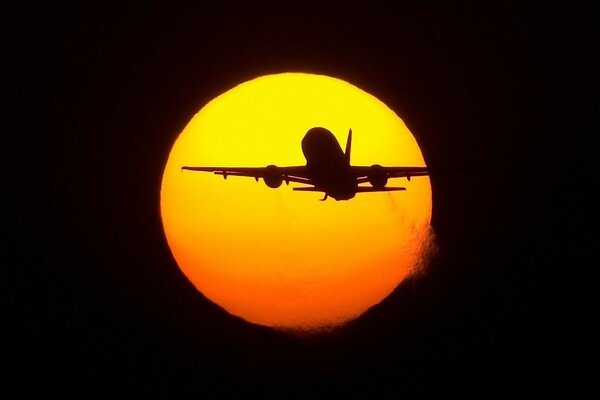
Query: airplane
column 327, row 170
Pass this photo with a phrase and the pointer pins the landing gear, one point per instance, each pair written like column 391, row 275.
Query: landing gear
column 325, row 197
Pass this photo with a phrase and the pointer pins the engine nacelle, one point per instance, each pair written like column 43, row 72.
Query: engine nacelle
column 273, row 176
column 377, row 176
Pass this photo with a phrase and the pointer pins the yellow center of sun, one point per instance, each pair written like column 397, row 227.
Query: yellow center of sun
column 278, row 257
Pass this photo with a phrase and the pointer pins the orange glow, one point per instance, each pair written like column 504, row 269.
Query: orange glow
column 281, row 258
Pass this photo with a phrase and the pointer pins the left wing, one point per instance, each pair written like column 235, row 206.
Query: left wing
column 287, row 174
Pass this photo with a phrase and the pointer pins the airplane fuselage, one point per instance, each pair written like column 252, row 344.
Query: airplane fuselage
column 327, row 165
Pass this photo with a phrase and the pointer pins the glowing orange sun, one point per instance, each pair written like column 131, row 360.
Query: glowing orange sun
column 278, row 257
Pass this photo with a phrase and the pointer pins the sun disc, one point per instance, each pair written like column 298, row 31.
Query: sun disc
column 281, row 258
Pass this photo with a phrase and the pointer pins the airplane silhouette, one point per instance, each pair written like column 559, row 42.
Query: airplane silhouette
column 327, row 170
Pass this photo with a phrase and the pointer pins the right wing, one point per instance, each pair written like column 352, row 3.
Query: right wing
column 362, row 172
column 288, row 174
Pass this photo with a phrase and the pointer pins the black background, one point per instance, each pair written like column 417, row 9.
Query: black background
column 96, row 96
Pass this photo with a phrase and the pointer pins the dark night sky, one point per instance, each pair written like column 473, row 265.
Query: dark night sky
column 97, row 96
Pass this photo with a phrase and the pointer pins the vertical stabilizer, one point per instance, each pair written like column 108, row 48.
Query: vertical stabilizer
column 348, row 146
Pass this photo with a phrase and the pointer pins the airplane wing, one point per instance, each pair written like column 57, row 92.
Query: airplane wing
column 364, row 173
column 288, row 174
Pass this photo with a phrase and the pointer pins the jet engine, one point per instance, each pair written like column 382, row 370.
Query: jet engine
column 273, row 176
column 377, row 176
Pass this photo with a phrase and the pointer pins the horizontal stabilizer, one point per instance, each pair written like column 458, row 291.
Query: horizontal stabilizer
column 307, row 189
column 367, row 189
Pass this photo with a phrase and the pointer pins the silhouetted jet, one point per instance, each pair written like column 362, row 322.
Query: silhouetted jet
column 327, row 170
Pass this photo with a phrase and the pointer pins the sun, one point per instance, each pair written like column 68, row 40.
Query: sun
column 281, row 258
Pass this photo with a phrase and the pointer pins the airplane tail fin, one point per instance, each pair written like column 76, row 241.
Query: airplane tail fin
column 348, row 146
